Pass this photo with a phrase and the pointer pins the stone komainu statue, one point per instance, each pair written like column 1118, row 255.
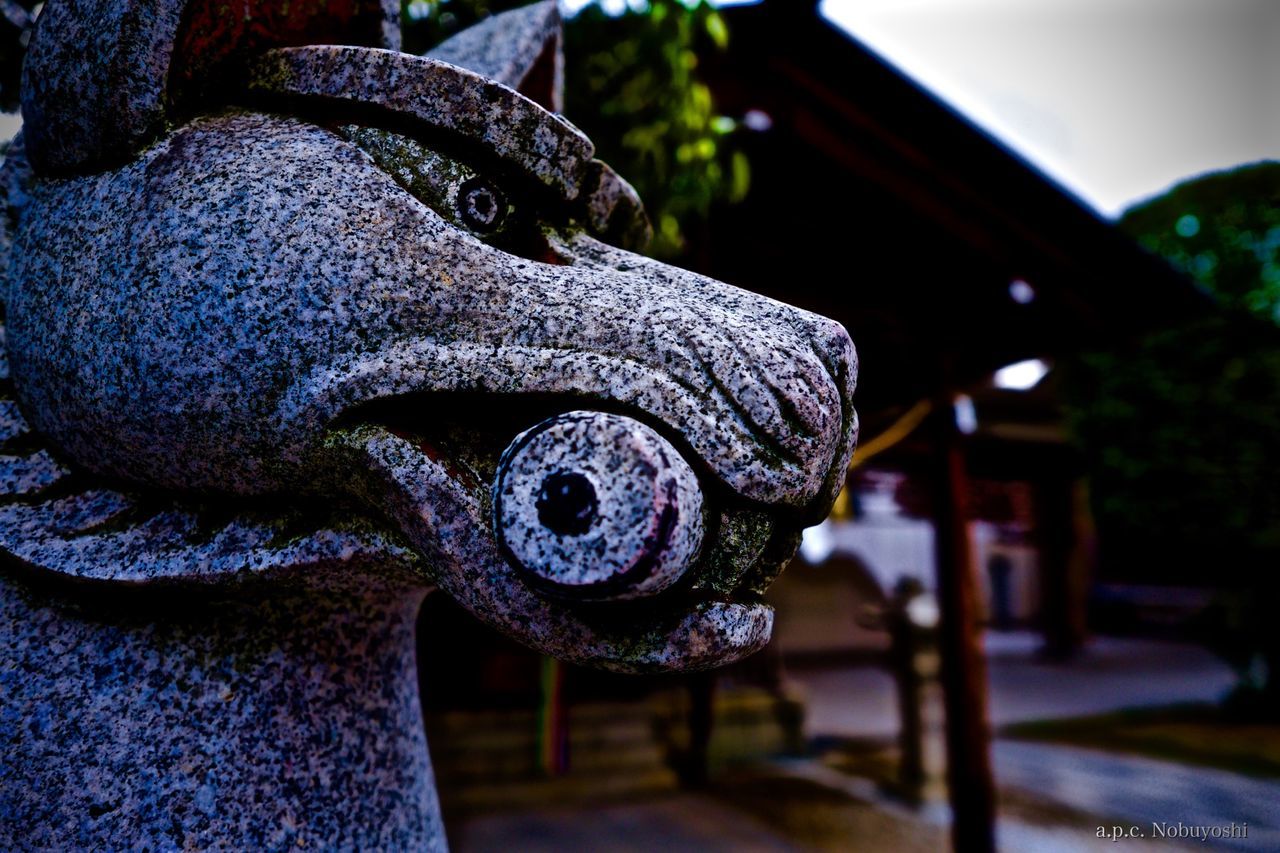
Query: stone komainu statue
column 299, row 328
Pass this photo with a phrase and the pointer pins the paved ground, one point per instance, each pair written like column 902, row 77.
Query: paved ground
column 836, row 812
column 1054, row 797
column 674, row 824
column 1141, row 791
column 1111, row 674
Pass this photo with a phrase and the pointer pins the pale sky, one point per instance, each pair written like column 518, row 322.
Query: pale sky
column 1114, row 99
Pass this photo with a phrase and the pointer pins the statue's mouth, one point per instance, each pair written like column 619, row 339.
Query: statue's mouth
column 587, row 534
column 684, row 592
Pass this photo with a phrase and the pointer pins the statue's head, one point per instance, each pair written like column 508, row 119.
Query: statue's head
column 274, row 303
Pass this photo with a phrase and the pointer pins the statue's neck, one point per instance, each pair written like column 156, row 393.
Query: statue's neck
column 273, row 716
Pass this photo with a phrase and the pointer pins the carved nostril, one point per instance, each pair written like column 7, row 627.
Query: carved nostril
column 567, row 503
column 597, row 506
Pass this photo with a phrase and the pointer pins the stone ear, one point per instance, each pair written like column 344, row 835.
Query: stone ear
column 103, row 78
column 521, row 49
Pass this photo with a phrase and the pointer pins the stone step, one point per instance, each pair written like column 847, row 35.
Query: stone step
column 580, row 739
column 521, row 764
column 571, row 788
column 588, row 728
column 490, row 759
column 605, row 742
column 613, row 713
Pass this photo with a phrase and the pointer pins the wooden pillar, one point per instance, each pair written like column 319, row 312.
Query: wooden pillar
column 964, row 675
column 702, row 693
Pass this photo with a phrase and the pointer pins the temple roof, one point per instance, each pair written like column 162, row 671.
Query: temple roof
column 874, row 202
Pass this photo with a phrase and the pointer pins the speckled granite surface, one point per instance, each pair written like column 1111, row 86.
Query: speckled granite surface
column 272, row 354
column 204, row 333
column 222, row 307
column 446, row 99
column 507, row 47
column 98, row 74
column 284, row 716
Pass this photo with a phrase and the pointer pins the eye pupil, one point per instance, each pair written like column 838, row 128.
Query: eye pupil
column 480, row 205
column 566, row 503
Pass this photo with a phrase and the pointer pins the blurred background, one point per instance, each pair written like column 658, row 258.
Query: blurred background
column 1052, row 233
column 1043, row 609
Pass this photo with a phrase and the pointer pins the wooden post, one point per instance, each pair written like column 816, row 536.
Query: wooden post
column 904, row 650
column 702, row 694
column 964, row 675
column 553, row 723
column 1054, row 520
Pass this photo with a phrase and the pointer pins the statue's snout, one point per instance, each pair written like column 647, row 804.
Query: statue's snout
column 761, row 391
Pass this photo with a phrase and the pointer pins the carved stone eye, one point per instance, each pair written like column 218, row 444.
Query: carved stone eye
column 597, row 506
column 481, row 205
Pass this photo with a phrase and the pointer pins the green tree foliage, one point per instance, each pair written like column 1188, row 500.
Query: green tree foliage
column 1224, row 231
column 1182, row 431
column 631, row 84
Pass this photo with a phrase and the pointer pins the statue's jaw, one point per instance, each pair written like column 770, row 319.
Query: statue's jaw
column 74, row 525
column 418, row 503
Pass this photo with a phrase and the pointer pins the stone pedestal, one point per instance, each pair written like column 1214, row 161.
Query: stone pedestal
column 256, row 717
